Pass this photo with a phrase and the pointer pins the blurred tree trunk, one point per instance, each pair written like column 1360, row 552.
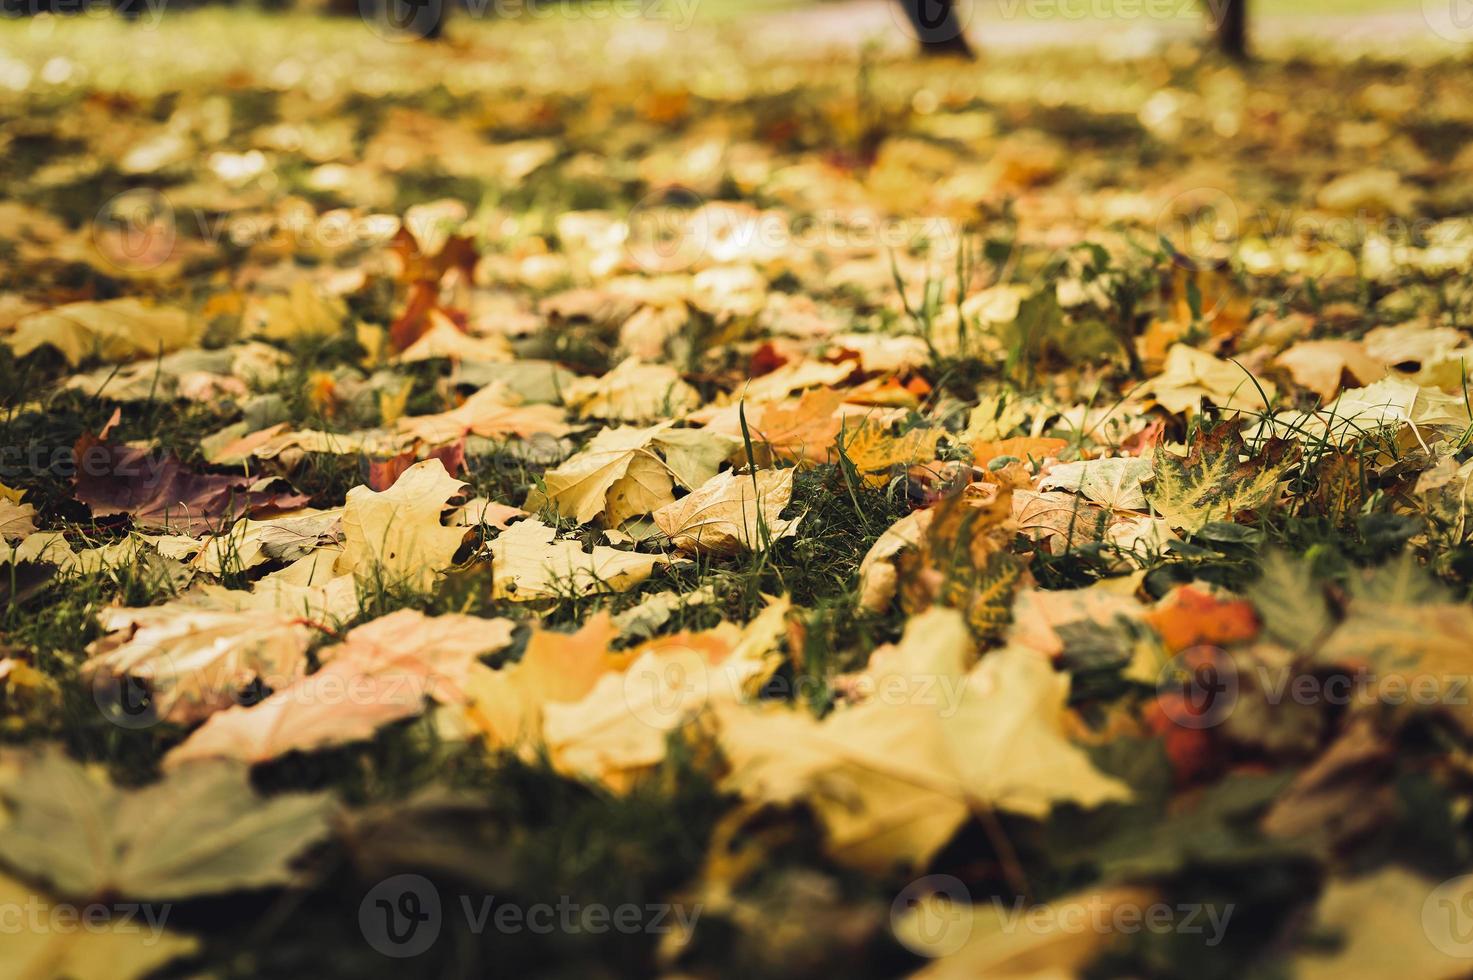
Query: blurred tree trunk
column 938, row 27
column 1232, row 28
column 940, row 30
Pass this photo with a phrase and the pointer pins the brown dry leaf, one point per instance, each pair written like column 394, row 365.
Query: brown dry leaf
column 160, row 493
column 791, row 378
column 619, row 473
column 382, row 672
column 493, row 412
column 528, row 563
column 1191, row 375
column 1038, row 613
column 16, row 520
column 730, row 513
column 1020, row 447
column 1385, row 929
column 877, row 572
column 1063, row 520
column 505, row 706
column 1045, row 941
column 305, row 310
column 1320, row 365
column 805, row 429
column 632, row 392
column 286, row 537
column 114, row 949
column 196, row 661
column 874, row 452
column 444, row 339
column 1114, row 482
column 396, row 536
column 1189, row 616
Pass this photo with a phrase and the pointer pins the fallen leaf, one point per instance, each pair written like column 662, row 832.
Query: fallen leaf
column 730, row 513
column 527, row 563
column 114, row 330
column 197, row 661
column 382, row 672
column 114, row 949
column 1213, row 482
column 1114, row 482
column 396, row 536
column 202, row 830
column 160, row 492
column 632, row 392
column 893, row 778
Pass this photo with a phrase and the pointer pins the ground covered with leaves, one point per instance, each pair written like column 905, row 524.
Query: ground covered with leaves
column 733, row 509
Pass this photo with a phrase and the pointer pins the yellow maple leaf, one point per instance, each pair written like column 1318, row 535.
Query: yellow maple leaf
column 874, row 452
column 397, row 534
column 894, row 777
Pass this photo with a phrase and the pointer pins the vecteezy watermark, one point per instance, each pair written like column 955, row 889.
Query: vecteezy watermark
column 1200, row 224
column 1198, row 688
column 145, row 13
column 403, row 916
column 934, row 916
column 1451, row 20
column 42, row 916
column 94, row 461
column 406, row 20
column 138, row 230
column 673, row 229
column 1447, row 917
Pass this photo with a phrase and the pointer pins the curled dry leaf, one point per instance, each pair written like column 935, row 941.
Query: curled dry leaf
column 730, row 513
column 197, row 661
column 382, row 672
column 620, row 473
column 493, row 412
column 632, row 392
column 528, row 563
column 114, row 949
column 159, row 492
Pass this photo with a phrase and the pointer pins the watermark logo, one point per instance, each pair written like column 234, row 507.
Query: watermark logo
column 1451, row 20
column 932, row 22
column 1201, row 225
column 669, row 231
column 1447, row 917
column 400, row 916
column 403, row 916
column 135, row 231
column 126, row 701
column 1198, row 688
column 660, row 691
column 932, row 916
